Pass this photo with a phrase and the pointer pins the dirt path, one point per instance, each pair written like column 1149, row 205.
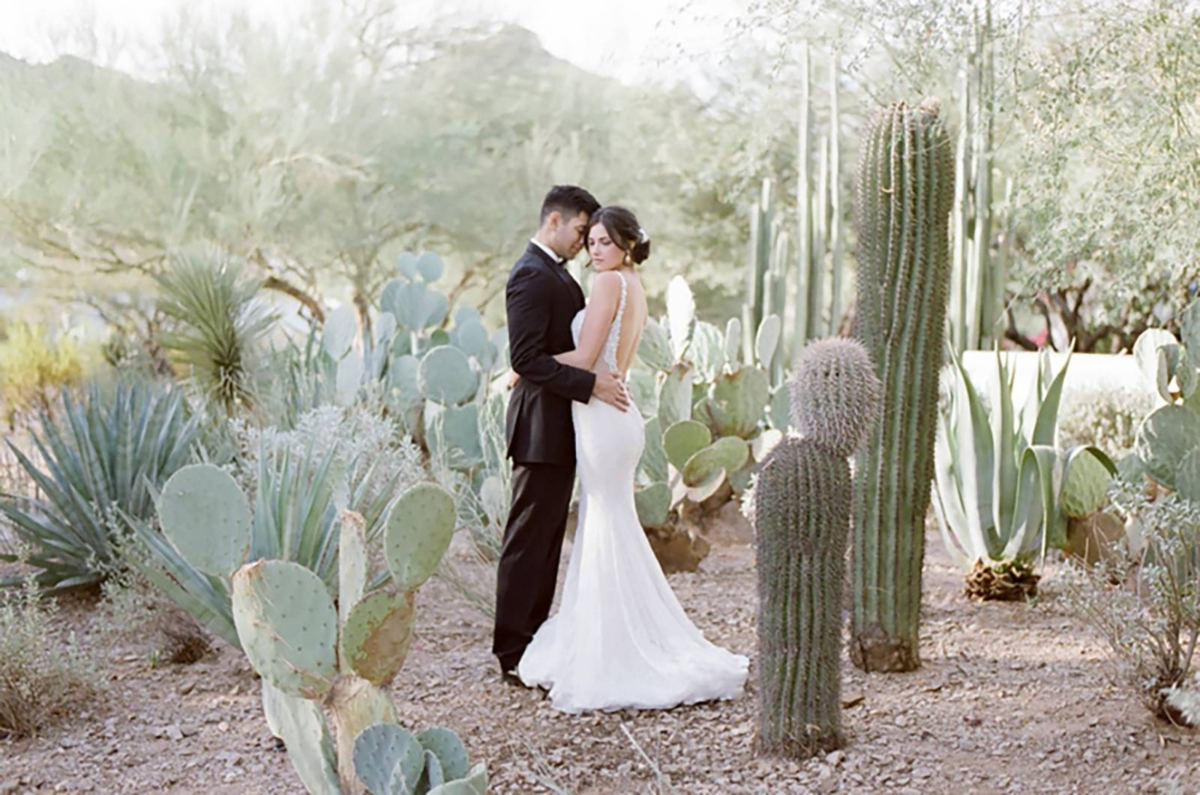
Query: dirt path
column 1011, row 698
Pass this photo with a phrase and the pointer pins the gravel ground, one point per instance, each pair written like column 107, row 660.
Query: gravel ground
column 1011, row 698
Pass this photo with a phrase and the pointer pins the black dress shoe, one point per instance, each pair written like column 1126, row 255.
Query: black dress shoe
column 510, row 678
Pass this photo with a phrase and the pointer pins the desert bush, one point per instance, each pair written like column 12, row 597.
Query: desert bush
column 43, row 677
column 135, row 613
column 34, row 368
column 105, row 454
column 1108, row 419
column 1147, row 608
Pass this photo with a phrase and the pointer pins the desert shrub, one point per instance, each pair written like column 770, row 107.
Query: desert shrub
column 1108, row 419
column 103, row 455
column 43, row 676
column 1147, row 607
column 135, row 613
column 368, row 452
column 34, row 368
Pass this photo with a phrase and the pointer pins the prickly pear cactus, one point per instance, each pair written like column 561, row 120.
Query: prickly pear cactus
column 311, row 654
column 802, row 523
column 288, row 626
column 905, row 188
column 388, row 760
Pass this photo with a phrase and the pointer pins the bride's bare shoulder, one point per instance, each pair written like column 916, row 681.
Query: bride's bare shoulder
column 607, row 281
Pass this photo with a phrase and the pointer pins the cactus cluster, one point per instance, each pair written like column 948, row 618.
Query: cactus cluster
column 1168, row 441
column 705, row 411
column 802, row 523
column 905, row 187
column 430, row 376
column 314, row 653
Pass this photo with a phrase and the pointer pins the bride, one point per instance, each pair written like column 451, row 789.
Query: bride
column 620, row 638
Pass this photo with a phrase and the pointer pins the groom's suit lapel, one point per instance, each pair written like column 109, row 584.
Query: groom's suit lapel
column 560, row 272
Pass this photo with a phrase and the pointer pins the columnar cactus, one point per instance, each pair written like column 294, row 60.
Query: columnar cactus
column 802, row 521
column 905, row 187
column 313, row 654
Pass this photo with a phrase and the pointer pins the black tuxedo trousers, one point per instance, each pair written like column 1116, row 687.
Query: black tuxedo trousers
column 541, row 301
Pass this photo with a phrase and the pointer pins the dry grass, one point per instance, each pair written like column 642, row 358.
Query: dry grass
column 137, row 614
column 44, row 676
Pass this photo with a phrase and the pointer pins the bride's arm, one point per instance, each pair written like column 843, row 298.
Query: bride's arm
column 601, row 311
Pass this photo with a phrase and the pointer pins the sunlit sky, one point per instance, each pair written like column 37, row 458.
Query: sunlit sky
column 626, row 39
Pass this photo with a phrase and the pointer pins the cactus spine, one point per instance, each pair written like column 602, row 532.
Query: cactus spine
column 905, row 189
column 802, row 521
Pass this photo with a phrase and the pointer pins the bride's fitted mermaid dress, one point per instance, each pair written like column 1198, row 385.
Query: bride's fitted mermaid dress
column 620, row 638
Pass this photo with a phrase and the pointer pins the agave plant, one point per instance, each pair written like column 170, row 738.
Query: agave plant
column 220, row 324
column 107, row 454
column 995, row 493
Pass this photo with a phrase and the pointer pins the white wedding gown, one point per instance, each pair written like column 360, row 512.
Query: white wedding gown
column 620, row 638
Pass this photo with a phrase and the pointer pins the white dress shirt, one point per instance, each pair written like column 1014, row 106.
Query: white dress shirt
column 553, row 257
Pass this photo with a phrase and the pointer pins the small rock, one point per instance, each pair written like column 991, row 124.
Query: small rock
column 186, row 688
column 835, row 758
column 223, row 726
column 173, row 732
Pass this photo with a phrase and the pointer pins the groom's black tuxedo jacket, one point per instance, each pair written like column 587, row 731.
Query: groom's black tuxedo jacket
column 542, row 299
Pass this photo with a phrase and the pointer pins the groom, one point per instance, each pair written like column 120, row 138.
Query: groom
column 542, row 299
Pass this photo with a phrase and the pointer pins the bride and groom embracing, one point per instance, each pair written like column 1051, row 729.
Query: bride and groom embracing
column 620, row 638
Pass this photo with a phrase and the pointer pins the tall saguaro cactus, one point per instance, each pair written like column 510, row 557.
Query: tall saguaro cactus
column 802, row 521
column 905, row 189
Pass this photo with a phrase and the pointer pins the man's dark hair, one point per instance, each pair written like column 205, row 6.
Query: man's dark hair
column 569, row 200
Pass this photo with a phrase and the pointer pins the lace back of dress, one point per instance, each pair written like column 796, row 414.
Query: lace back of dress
column 614, row 331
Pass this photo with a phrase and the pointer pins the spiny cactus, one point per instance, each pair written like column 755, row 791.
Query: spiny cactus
column 802, row 521
column 834, row 395
column 312, row 653
column 905, row 187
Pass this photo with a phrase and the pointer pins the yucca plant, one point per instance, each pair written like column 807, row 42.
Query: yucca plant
column 996, row 497
column 220, row 324
column 106, row 453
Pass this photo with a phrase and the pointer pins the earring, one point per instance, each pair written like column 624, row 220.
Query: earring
column 628, row 259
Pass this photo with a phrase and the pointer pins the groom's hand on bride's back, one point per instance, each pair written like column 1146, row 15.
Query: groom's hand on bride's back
column 611, row 389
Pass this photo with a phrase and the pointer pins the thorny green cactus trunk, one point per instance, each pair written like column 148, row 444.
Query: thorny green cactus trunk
column 802, row 518
column 905, row 189
column 802, row 522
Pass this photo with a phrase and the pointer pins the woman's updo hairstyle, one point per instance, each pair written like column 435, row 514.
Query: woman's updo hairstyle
column 625, row 231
